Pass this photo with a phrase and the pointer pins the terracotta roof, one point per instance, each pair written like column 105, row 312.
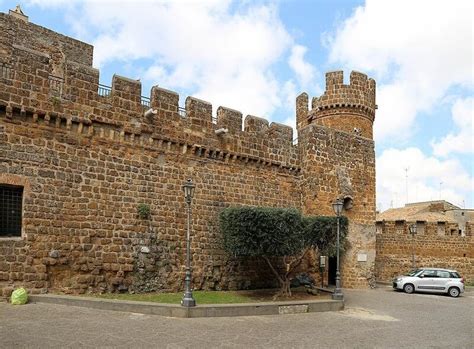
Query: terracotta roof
column 429, row 211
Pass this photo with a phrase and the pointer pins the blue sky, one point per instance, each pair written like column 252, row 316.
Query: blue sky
column 256, row 56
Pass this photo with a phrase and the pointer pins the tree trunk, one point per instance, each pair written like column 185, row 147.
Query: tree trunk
column 285, row 279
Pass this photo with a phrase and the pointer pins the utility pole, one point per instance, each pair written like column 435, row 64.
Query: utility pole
column 406, row 184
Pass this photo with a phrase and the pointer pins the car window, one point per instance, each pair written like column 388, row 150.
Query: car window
column 430, row 273
column 413, row 272
column 455, row 275
column 443, row 274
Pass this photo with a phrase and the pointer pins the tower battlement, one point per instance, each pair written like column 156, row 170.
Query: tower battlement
column 360, row 93
column 349, row 108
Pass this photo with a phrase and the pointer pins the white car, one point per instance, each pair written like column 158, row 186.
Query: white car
column 434, row 280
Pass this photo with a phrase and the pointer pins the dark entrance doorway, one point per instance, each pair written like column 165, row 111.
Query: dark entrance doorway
column 332, row 266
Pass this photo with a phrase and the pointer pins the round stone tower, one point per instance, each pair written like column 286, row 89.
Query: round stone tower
column 338, row 162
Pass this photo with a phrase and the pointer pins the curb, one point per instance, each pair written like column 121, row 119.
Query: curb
column 174, row 310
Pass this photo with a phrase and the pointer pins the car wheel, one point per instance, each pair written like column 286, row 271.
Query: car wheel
column 453, row 292
column 409, row 288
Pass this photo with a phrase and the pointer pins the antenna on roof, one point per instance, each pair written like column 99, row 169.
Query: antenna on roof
column 406, row 184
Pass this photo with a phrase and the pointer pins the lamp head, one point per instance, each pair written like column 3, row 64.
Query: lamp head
column 412, row 228
column 188, row 189
column 337, row 206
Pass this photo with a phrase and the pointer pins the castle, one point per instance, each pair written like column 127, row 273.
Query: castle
column 78, row 158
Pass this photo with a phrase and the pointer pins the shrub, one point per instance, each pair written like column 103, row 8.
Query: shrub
column 143, row 211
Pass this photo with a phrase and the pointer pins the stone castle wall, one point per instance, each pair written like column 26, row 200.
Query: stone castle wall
column 87, row 156
column 432, row 248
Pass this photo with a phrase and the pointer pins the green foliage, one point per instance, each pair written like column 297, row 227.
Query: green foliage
column 261, row 231
column 143, row 211
column 55, row 101
column 202, row 297
column 320, row 232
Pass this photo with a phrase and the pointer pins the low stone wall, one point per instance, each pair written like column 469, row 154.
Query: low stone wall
column 395, row 253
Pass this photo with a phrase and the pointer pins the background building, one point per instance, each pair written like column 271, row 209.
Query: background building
column 444, row 238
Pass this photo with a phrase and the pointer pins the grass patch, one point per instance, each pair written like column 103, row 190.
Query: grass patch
column 201, row 297
column 211, row 297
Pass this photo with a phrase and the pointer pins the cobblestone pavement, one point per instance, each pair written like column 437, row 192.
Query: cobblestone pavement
column 378, row 318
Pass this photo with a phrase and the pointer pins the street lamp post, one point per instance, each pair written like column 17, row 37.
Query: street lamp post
column 188, row 300
column 412, row 228
column 337, row 206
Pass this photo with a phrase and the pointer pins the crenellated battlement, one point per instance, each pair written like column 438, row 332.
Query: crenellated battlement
column 51, row 74
column 350, row 108
column 359, row 94
column 68, row 94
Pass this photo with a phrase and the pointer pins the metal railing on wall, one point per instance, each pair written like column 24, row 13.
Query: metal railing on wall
column 182, row 112
column 145, row 101
column 104, row 90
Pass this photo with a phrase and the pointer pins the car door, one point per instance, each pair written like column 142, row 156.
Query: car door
column 442, row 280
column 426, row 281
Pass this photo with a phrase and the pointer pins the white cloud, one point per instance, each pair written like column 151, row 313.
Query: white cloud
column 217, row 50
column 304, row 71
column 462, row 141
column 429, row 178
column 417, row 51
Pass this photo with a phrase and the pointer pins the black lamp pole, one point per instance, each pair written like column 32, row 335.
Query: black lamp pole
column 188, row 300
column 338, row 295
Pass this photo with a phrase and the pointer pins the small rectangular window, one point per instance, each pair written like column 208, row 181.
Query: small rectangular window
column 378, row 227
column 11, row 198
column 420, row 227
column 400, row 227
column 441, row 228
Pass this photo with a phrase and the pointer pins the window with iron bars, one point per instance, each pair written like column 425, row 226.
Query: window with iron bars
column 11, row 198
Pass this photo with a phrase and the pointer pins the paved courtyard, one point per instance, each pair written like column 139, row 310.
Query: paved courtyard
column 377, row 318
